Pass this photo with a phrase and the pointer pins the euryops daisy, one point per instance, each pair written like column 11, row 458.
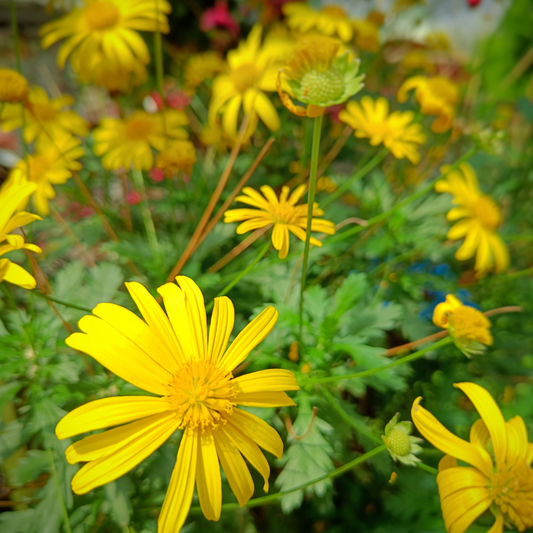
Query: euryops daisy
column 478, row 218
column 11, row 197
column 189, row 372
column 129, row 142
column 43, row 117
column 498, row 478
column 282, row 213
column 371, row 120
column 468, row 327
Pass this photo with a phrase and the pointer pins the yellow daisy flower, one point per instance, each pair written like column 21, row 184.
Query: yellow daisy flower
column 43, row 117
column 499, row 478
column 331, row 20
column 366, row 35
column 201, row 67
column 108, row 27
column 190, row 371
column 371, row 120
column 179, row 156
column 436, row 96
column 478, row 218
column 469, row 328
column 252, row 72
column 10, row 198
column 13, row 86
column 282, row 213
column 129, row 142
column 52, row 164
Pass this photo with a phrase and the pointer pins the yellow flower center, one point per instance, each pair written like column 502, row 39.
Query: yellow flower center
column 334, row 11
column 200, row 392
column 138, row 129
column 398, row 442
column 245, row 77
column 180, row 156
column 486, row 210
column 283, row 213
column 469, row 323
column 43, row 111
column 511, row 490
column 13, row 86
column 101, row 15
column 442, row 89
column 322, row 86
column 38, row 166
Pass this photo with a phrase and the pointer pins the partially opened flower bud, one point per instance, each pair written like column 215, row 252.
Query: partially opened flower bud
column 401, row 446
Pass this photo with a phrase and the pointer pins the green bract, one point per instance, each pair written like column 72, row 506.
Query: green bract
column 399, row 442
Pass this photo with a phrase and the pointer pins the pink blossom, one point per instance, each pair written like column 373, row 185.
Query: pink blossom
column 133, row 198
column 157, row 175
column 219, row 16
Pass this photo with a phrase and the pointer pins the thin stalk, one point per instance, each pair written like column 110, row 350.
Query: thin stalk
column 242, row 273
column 64, row 510
column 147, row 215
column 372, row 371
column 427, row 468
column 361, row 173
column 61, row 302
column 315, row 149
column 273, row 497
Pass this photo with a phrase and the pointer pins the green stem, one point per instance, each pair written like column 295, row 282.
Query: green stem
column 61, row 302
column 427, row 468
column 372, row 371
column 147, row 215
column 412, row 198
column 241, row 274
column 361, row 173
column 60, row 493
column 519, row 274
column 273, row 497
column 315, row 148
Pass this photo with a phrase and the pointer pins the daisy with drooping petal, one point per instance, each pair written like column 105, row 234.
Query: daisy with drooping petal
column 436, row 96
column 371, row 120
column 51, row 164
column 282, row 213
column 499, row 478
column 468, row 327
column 107, row 27
column 189, row 369
column 13, row 86
column 478, row 218
column 252, row 72
column 43, row 117
column 10, row 198
column 129, row 142
column 330, row 20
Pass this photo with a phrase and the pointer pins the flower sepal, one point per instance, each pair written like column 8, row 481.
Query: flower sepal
column 400, row 444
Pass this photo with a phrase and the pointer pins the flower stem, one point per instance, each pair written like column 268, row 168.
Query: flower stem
column 241, row 274
column 372, row 371
column 315, row 148
column 273, row 497
column 61, row 302
column 147, row 215
column 64, row 510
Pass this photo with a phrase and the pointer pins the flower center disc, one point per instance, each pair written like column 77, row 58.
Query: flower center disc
column 43, row 112
column 200, row 392
column 334, row 11
column 138, row 129
column 322, row 87
column 245, row 77
column 487, row 212
column 101, row 15
column 283, row 214
column 38, row 165
column 512, row 491
column 469, row 323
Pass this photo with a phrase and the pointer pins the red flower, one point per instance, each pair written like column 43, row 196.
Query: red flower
column 133, row 198
column 219, row 17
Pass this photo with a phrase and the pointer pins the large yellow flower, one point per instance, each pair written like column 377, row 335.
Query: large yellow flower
column 499, row 477
column 190, row 372
column 252, row 72
column 52, row 164
column 479, row 216
column 436, row 96
column 282, row 213
column 43, row 117
column 371, row 120
column 107, row 27
column 10, row 198
column 331, row 20
column 127, row 143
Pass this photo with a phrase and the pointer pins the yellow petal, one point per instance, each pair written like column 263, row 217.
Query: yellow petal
column 10, row 199
column 120, row 355
column 181, row 488
column 235, row 468
column 231, row 114
column 208, row 480
column 109, row 412
column 491, row 415
column 19, row 220
column 497, row 527
column 264, row 435
column 517, row 443
column 18, row 276
column 253, row 334
column 222, row 321
column 264, row 399
column 447, row 442
column 266, row 380
column 250, row 450
column 479, row 434
column 118, row 450
column 447, row 462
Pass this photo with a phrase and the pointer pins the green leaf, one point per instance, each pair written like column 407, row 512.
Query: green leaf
column 349, row 293
column 117, row 493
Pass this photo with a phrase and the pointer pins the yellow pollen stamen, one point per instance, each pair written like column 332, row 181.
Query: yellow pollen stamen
column 102, row 15
column 245, row 77
column 138, row 129
column 487, row 212
column 201, row 394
